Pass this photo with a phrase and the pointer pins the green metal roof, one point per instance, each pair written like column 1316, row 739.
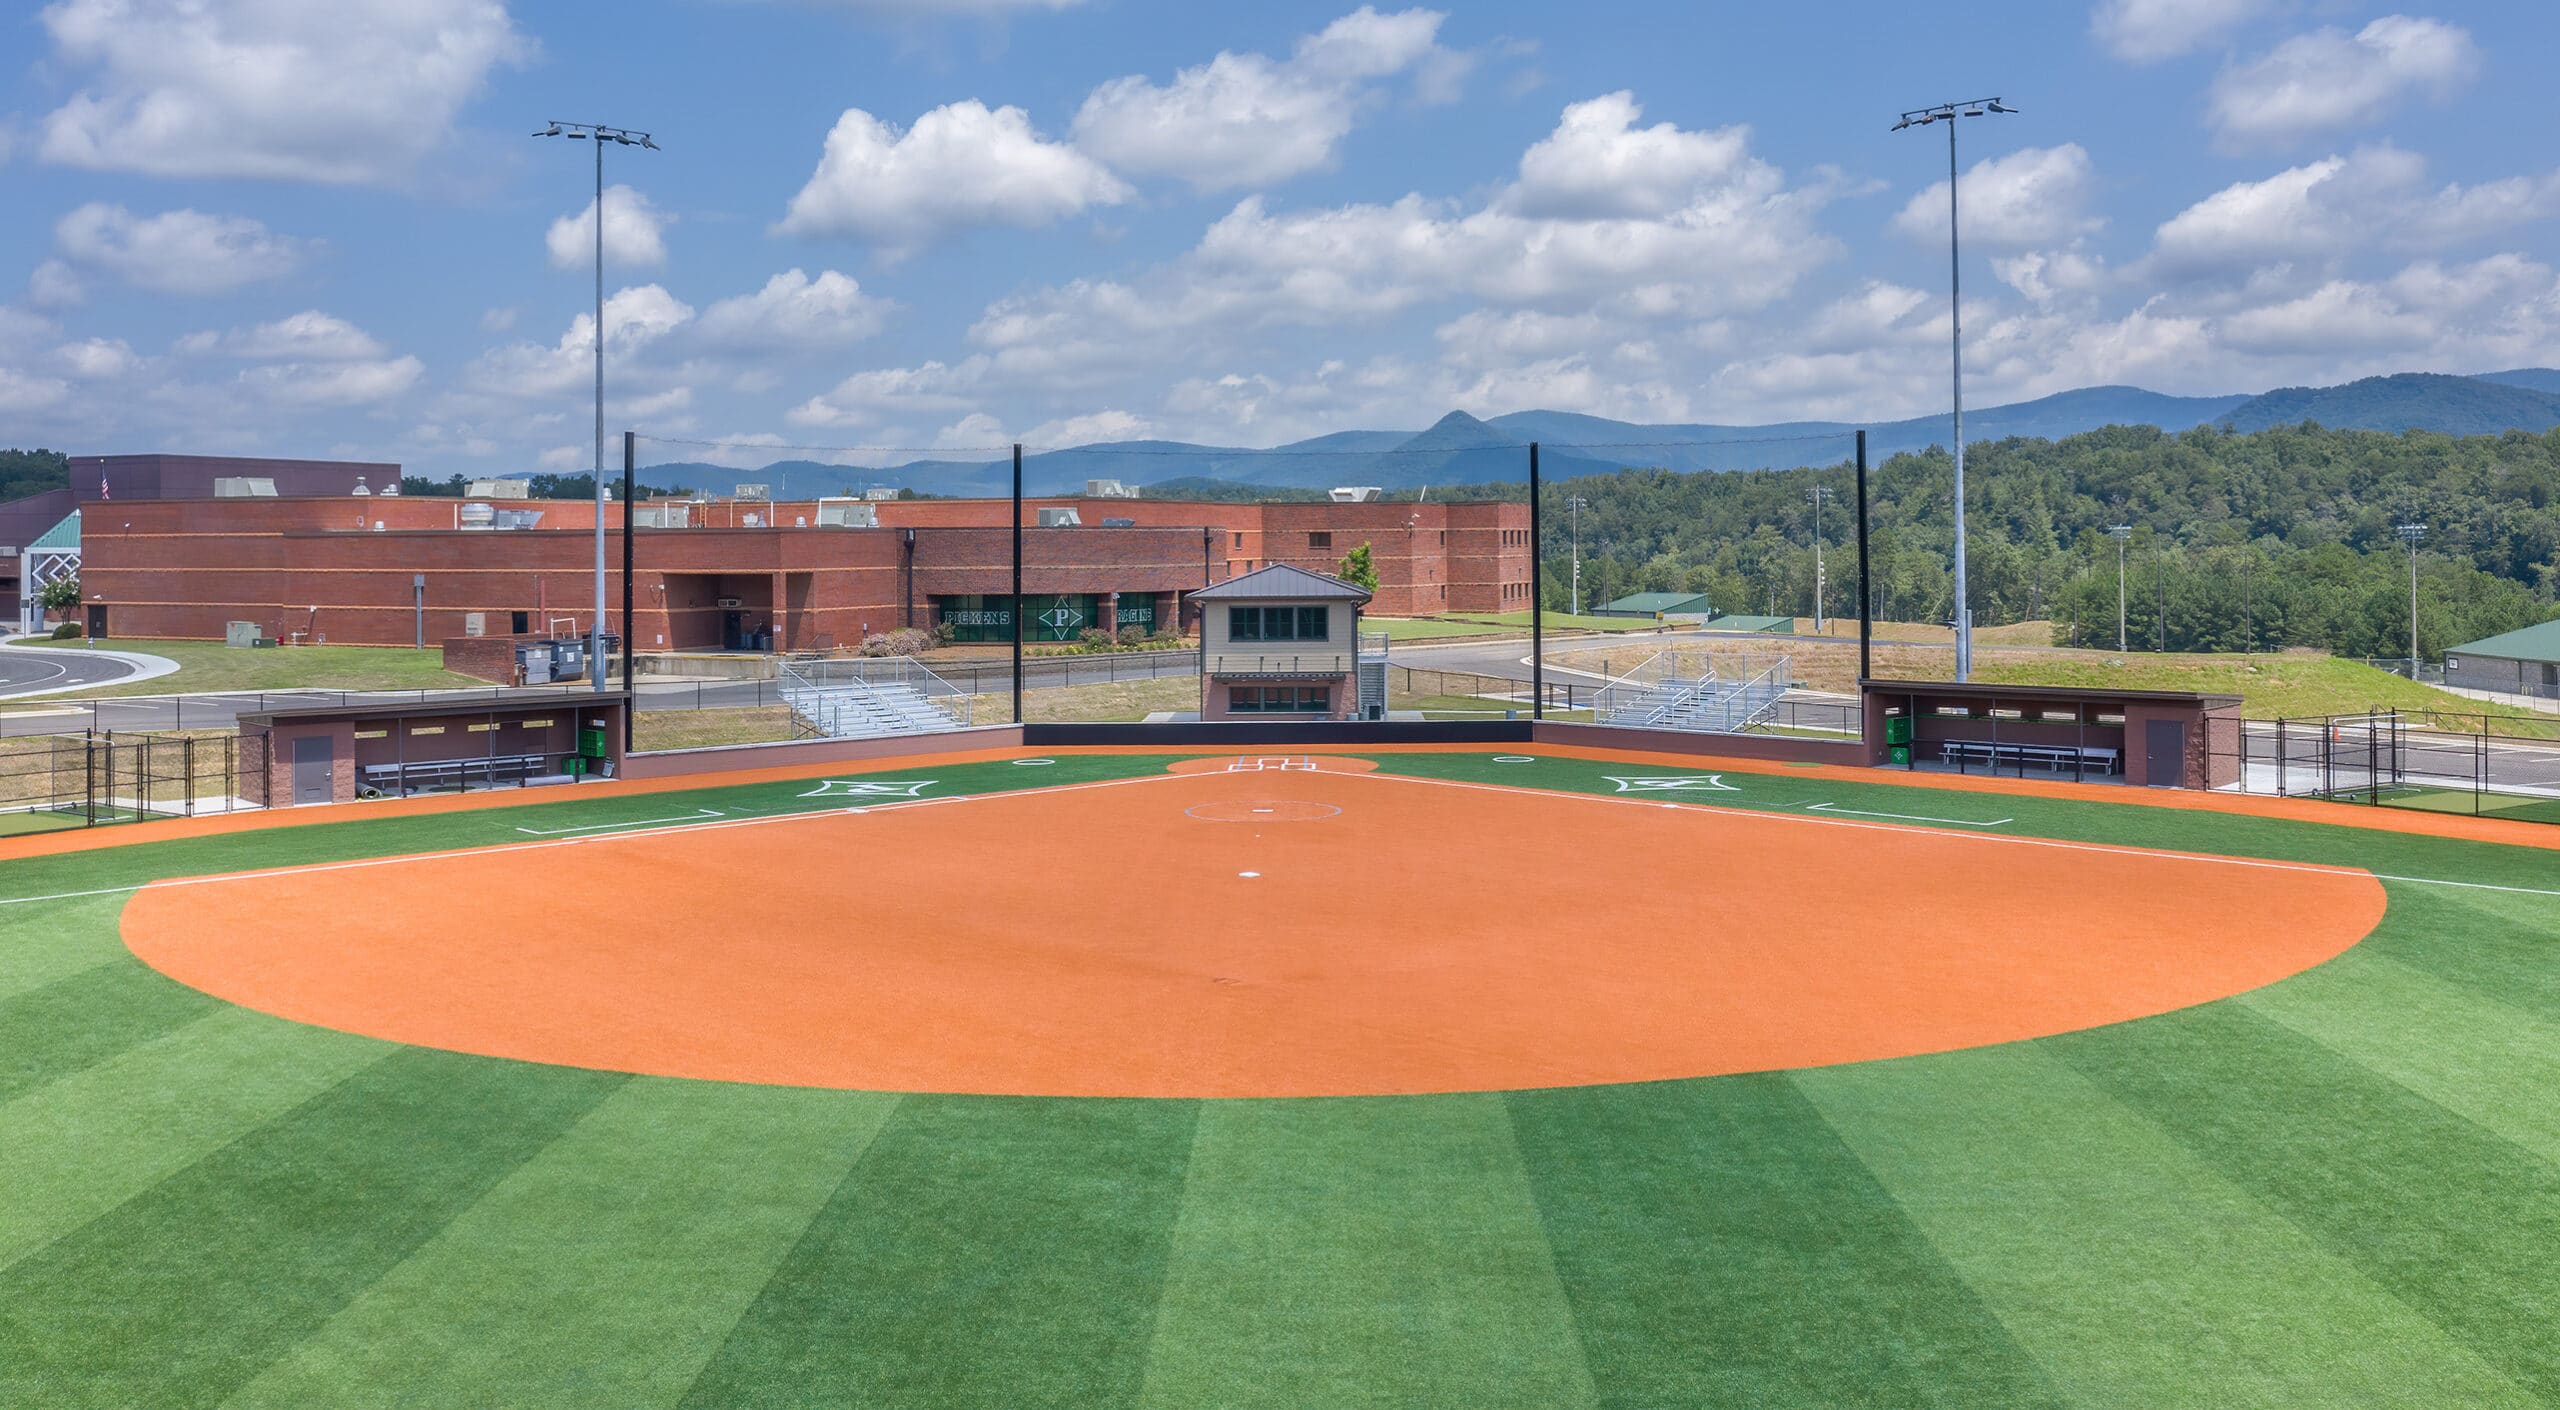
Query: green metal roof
column 64, row 536
column 2540, row 643
column 1752, row 624
column 1650, row 602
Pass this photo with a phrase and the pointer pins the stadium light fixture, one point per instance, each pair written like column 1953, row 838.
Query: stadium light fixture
column 1922, row 117
column 581, row 131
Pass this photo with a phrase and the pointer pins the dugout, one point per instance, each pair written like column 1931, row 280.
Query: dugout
column 336, row 753
column 2147, row 738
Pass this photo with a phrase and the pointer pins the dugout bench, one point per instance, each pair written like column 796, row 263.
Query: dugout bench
column 2146, row 738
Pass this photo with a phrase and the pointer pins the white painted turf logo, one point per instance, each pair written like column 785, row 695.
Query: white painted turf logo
column 869, row 788
column 1673, row 783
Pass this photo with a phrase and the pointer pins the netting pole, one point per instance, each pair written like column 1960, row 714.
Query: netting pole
column 630, row 631
column 1537, row 600
column 1016, row 613
column 1866, row 618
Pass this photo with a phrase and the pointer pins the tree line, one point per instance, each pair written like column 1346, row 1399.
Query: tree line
column 2235, row 541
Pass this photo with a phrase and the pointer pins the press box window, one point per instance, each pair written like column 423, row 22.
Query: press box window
column 1278, row 624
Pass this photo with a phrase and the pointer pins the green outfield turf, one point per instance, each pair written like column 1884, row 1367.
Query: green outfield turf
column 2340, row 1190
column 2522, row 807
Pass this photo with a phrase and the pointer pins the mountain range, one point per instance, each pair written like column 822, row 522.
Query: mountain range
column 1462, row 449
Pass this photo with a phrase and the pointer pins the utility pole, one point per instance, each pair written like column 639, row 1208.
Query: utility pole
column 1576, row 503
column 1817, row 494
column 1922, row 117
column 585, row 131
column 2410, row 534
column 2120, row 533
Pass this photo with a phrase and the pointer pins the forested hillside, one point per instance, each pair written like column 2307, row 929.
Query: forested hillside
column 2277, row 537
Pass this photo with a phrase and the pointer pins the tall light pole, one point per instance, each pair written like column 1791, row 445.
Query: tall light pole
column 1575, row 504
column 1922, row 117
column 600, row 135
column 2120, row 533
column 1817, row 493
column 2410, row 534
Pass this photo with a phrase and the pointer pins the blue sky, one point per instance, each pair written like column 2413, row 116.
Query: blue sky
column 285, row 227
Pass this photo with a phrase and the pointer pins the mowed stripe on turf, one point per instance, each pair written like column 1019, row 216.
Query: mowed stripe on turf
column 1361, row 1251
column 985, row 1251
column 2483, row 1060
column 79, row 1146
column 2126, row 1263
column 179, row 1296
column 606, row 1270
column 2452, row 1220
column 88, row 1017
column 1722, row 1246
column 43, row 943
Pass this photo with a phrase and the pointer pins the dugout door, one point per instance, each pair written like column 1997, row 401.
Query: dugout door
column 2164, row 753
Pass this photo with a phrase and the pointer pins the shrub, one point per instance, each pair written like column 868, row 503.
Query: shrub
column 943, row 634
column 66, row 631
column 905, row 641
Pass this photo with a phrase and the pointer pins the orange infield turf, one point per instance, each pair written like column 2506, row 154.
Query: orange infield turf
column 1217, row 934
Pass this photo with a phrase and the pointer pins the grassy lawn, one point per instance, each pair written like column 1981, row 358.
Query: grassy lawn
column 705, row 729
column 210, row 665
column 1558, row 621
column 2286, row 686
column 1426, row 628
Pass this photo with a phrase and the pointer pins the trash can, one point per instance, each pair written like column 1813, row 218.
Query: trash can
column 1900, row 753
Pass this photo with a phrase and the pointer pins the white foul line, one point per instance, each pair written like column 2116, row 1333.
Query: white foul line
column 2011, row 839
column 1906, row 817
column 700, row 815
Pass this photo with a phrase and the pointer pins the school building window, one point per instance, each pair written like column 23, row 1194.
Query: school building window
column 1322, row 538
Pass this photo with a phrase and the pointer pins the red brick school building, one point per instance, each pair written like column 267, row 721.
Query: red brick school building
column 179, row 547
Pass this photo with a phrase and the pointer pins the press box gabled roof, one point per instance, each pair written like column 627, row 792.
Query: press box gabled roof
column 1282, row 583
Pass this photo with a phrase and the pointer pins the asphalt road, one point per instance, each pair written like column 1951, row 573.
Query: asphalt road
column 38, row 668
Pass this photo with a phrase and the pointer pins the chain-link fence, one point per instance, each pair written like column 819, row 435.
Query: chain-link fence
column 2481, row 764
column 54, row 781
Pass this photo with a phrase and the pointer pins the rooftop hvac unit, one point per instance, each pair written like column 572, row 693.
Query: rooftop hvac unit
column 1059, row 519
column 664, row 516
column 1119, row 523
column 729, row 604
column 516, row 518
column 754, row 492
column 243, row 487
column 499, row 489
column 838, row 513
column 1108, row 489
column 475, row 516
column 1357, row 494
column 879, row 493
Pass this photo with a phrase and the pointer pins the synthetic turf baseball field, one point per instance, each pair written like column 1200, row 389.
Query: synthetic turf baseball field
column 1118, row 1079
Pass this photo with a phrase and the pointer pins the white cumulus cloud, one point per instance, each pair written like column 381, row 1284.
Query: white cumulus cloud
column 1244, row 120
column 2147, row 31
column 962, row 165
column 2377, row 197
column 2329, row 80
column 634, row 233
column 1599, row 163
column 350, row 91
column 176, row 252
column 793, row 310
column 2036, row 196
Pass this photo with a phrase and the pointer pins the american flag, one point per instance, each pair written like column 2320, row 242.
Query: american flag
column 103, row 491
